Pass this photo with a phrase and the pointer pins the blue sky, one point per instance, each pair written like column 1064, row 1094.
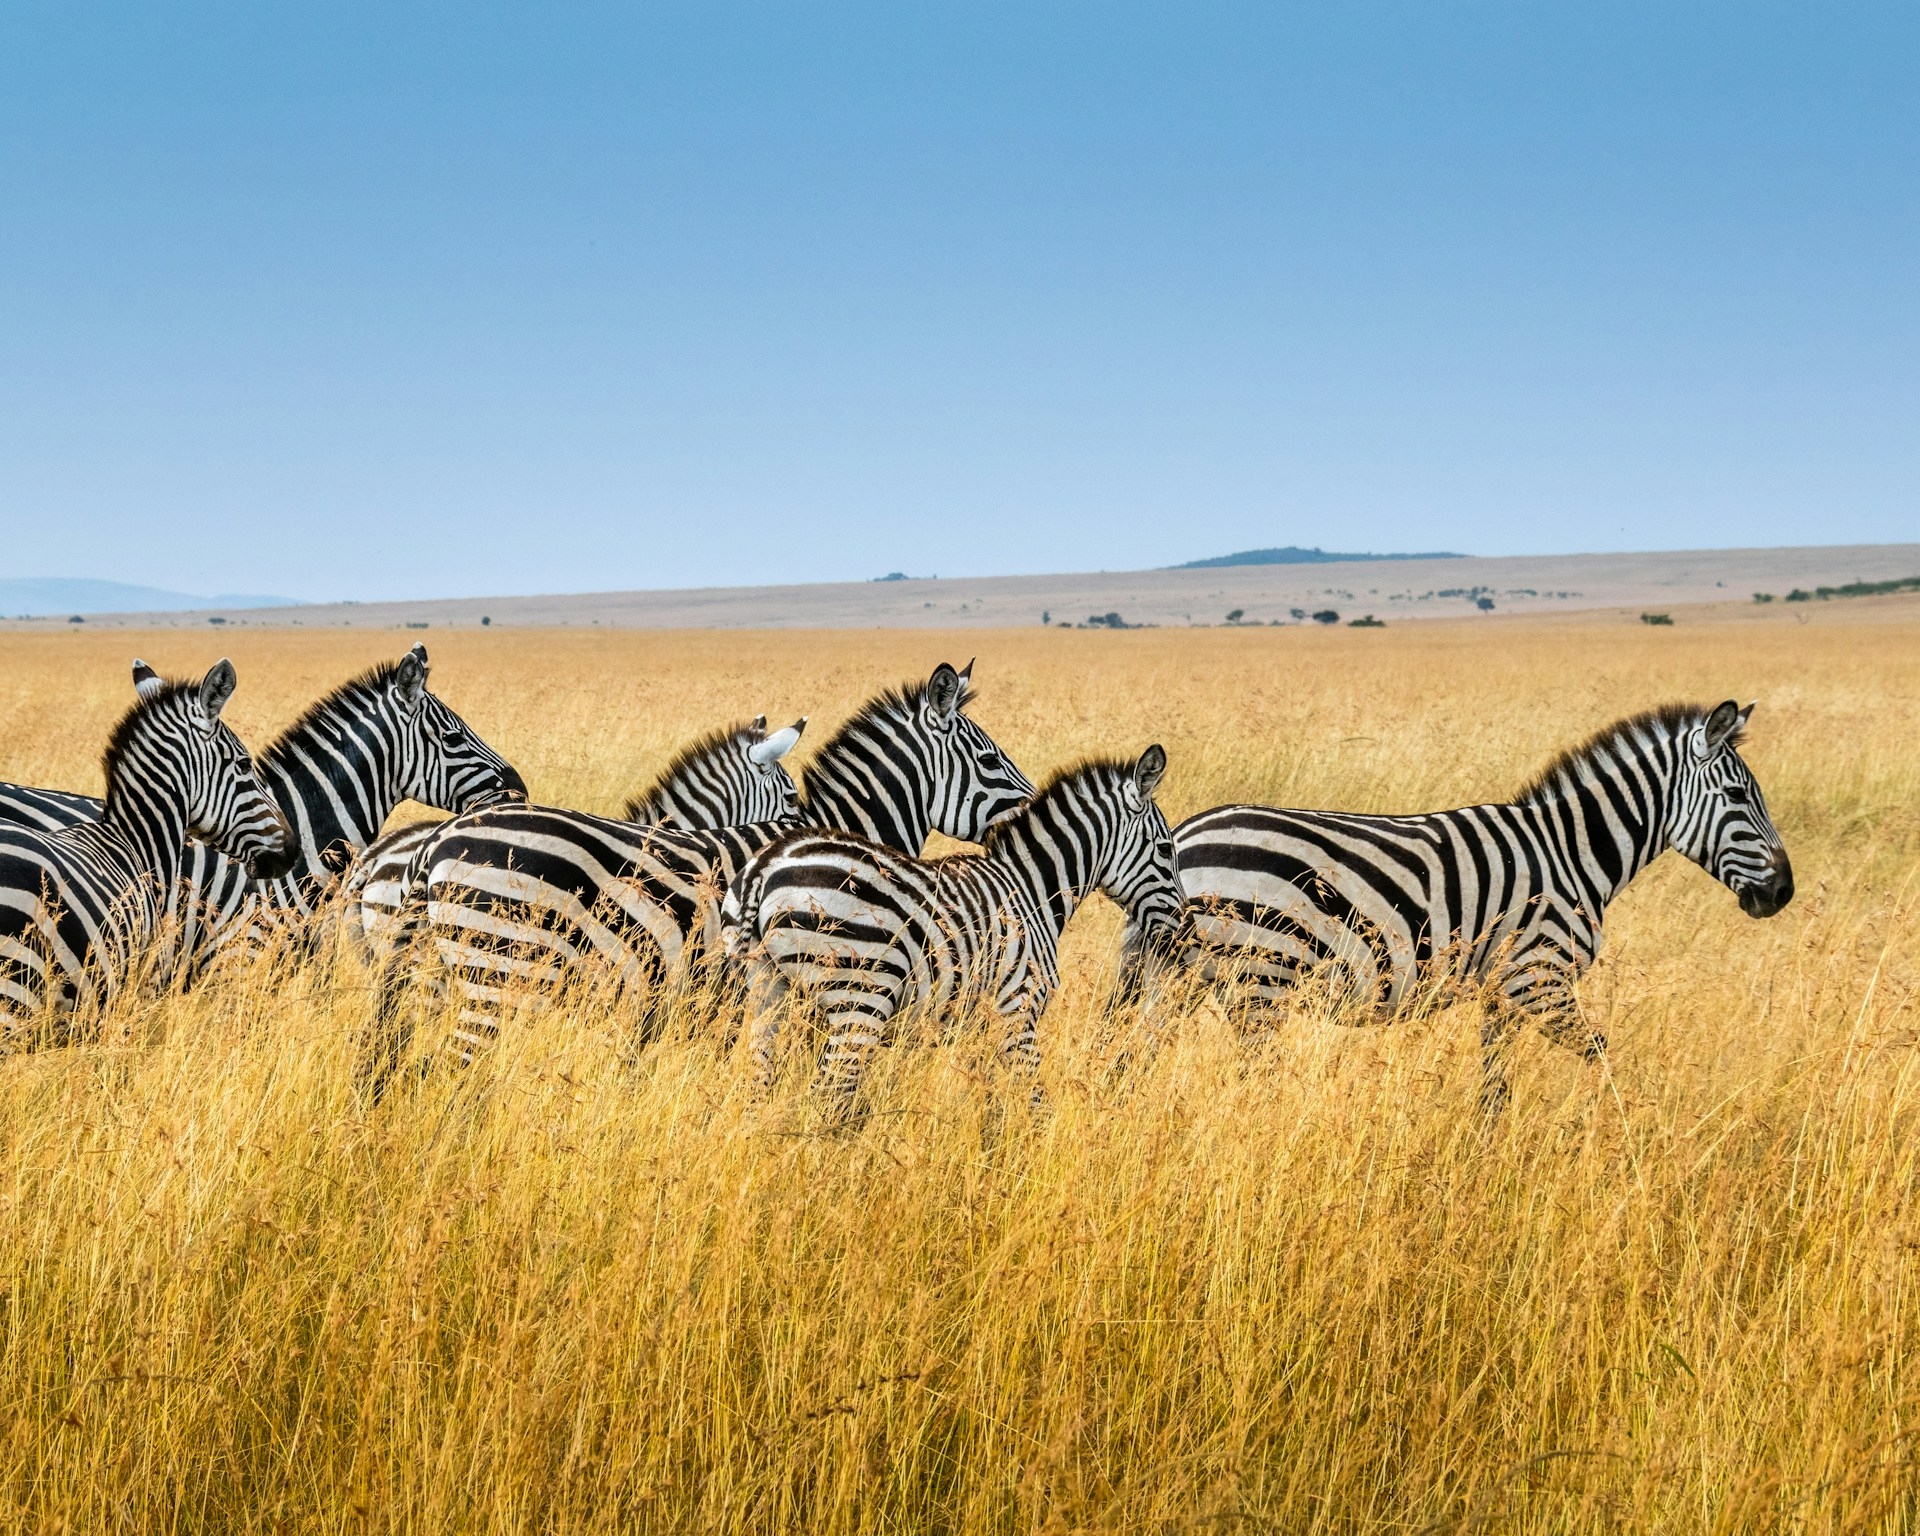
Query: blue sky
column 404, row 301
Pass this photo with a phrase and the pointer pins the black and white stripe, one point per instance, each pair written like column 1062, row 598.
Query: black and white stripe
column 530, row 895
column 727, row 778
column 79, row 906
column 1508, row 896
column 337, row 774
column 863, row 934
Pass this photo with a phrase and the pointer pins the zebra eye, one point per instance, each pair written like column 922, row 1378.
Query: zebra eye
column 1737, row 794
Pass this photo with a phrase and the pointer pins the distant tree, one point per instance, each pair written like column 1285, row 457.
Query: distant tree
column 1369, row 622
column 1326, row 616
column 485, row 620
column 1296, row 613
column 1236, row 615
column 1798, row 596
column 1763, row 597
column 1484, row 604
column 1657, row 619
column 78, row 618
column 1046, row 616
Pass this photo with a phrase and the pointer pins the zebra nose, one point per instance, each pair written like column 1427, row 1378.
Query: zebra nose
column 1767, row 896
column 272, row 863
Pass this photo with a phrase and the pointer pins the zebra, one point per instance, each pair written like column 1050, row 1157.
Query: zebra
column 726, row 778
column 79, row 905
column 864, row 933
column 1508, row 897
column 337, row 773
column 533, row 894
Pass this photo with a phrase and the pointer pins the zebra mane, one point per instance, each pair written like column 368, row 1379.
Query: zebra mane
column 148, row 704
column 890, row 703
column 1073, row 774
column 1669, row 720
column 706, row 746
column 368, row 686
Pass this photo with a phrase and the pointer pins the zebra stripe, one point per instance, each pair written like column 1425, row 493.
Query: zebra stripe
column 80, row 905
column 1508, row 896
column 337, row 773
column 864, row 933
column 531, row 894
column 724, row 779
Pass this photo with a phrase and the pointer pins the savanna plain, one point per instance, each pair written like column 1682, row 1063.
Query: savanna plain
column 1284, row 1281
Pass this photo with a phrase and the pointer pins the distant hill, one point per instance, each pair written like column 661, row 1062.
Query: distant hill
column 27, row 597
column 1293, row 554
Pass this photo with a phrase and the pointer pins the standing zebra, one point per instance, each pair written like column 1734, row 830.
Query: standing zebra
column 529, row 893
column 80, row 904
column 726, row 778
column 1508, row 896
column 337, row 773
column 866, row 933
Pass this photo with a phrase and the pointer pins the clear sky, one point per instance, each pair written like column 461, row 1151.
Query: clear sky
column 381, row 301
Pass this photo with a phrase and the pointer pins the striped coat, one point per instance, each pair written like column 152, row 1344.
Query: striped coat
column 81, row 905
column 863, row 934
column 337, row 773
column 727, row 778
column 534, row 895
column 1507, row 896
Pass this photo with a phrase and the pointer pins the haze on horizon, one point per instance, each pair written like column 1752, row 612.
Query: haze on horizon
column 373, row 303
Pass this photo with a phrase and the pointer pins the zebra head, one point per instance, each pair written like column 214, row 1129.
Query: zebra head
column 975, row 786
column 1138, row 871
column 174, row 736
column 732, row 778
column 440, row 760
column 1718, row 818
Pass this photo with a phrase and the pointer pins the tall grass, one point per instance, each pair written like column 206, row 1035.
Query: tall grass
column 1284, row 1282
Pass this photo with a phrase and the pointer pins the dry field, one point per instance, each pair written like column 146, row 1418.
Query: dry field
column 1282, row 1285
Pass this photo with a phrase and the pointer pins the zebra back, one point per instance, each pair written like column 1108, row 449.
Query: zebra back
column 729, row 777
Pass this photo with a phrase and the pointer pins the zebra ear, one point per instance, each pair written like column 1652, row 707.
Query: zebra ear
column 759, row 726
column 410, row 678
column 1720, row 726
column 778, row 745
column 146, row 681
column 945, row 690
column 1150, row 770
column 216, row 688
column 420, row 649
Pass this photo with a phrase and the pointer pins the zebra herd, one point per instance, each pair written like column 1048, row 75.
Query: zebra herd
column 814, row 896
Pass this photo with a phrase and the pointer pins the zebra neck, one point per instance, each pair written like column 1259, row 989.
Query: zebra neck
column 873, row 783
column 333, row 777
column 146, row 815
column 1049, row 864
column 1610, row 820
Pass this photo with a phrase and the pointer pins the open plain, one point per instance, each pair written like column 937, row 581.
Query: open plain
column 1276, row 1284
column 1390, row 590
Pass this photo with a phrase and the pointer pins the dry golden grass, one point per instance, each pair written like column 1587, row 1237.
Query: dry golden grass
column 1277, row 1286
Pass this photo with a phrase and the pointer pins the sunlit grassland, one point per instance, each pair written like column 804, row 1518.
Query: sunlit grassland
column 1273, row 1284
